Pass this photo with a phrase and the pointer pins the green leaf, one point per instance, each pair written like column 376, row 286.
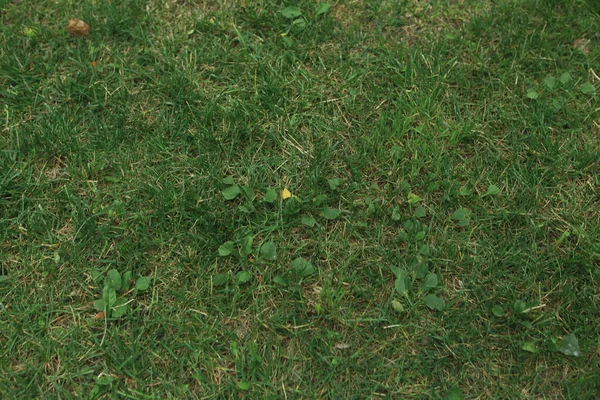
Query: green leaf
column 420, row 235
column 300, row 22
column 498, row 311
column 220, row 279
column 403, row 236
column 431, row 281
column 109, row 294
column 570, row 346
column 400, row 286
column 459, row 214
column 532, row 93
column 400, row 283
column 465, row 191
column 412, row 226
column 529, row 346
column 396, row 216
column 319, row 199
column 421, row 267
column 142, row 283
column 4, row 278
column 492, row 190
column 113, row 279
column 308, row 221
column 120, row 307
column 287, row 41
column 228, row 180
column 268, row 251
column 565, row 78
column 247, row 245
column 125, row 280
column 413, row 198
column 553, row 344
column 248, row 192
column 231, row 192
column 104, row 380
column 245, row 209
column 243, row 277
column 226, row 249
column 291, row 12
column 420, row 212
column 99, row 305
column 587, row 88
column 519, row 306
column 434, row 302
column 334, row 183
column 322, row 9
column 96, row 274
column 397, row 306
column 302, row 268
column 558, row 103
column 550, row 82
column 243, row 385
column 526, row 323
column 235, row 349
column 330, row 213
column 270, row 196
column 280, row 280
column 454, row 393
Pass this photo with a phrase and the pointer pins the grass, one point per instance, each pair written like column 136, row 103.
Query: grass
column 436, row 151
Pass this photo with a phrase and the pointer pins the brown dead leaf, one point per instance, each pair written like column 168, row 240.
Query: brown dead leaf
column 78, row 27
column 342, row 346
column 583, row 45
column 100, row 315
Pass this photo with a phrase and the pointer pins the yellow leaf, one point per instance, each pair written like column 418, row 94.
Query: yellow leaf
column 286, row 194
column 29, row 32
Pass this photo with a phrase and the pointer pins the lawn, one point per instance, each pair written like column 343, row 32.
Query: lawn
column 300, row 199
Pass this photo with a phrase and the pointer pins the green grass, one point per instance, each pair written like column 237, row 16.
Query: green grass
column 113, row 153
